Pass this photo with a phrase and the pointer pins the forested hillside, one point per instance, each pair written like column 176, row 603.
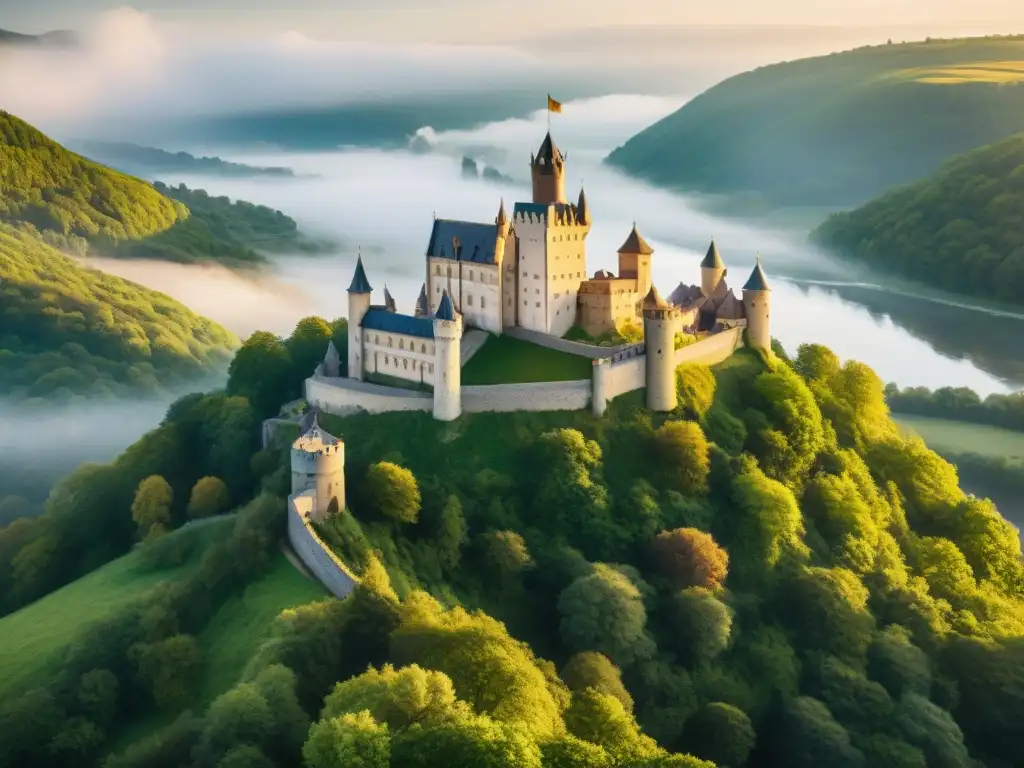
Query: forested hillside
column 66, row 330
column 139, row 160
column 836, row 130
column 78, row 205
column 770, row 576
column 961, row 230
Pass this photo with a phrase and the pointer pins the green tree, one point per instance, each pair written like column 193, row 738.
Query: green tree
column 683, row 453
column 720, row 733
column 572, row 752
column 348, row 741
column 604, row 611
column 828, row 607
column 393, row 491
column 209, row 497
column 933, row 730
column 151, row 508
column 702, row 623
column 507, row 551
column 474, row 740
column 393, row 698
column 695, row 385
column 590, row 669
column 261, row 371
column 169, row 669
column 452, row 533
column 97, row 695
column 899, row 665
column 602, row 720
column 307, row 346
column 809, row 737
column 690, row 558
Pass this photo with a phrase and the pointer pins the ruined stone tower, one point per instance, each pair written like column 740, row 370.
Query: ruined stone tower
column 358, row 304
column 660, row 321
column 447, row 363
column 757, row 302
column 318, row 465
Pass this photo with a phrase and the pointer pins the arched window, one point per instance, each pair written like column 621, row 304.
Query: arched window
column 401, row 343
column 423, row 348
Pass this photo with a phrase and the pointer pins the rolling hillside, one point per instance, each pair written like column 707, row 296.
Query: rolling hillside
column 839, row 129
column 961, row 230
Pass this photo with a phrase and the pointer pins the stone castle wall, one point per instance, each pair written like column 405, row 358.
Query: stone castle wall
column 343, row 396
column 542, row 396
column 313, row 552
column 563, row 345
column 713, row 349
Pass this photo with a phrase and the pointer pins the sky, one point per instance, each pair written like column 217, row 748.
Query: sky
column 491, row 21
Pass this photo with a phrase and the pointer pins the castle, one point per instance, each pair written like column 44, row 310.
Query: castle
column 528, row 273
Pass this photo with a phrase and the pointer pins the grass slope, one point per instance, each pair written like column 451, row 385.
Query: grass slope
column 33, row 639
column 960, row 230
column 504, row 360
column 66, row 330
column 947, row 436
column 836, row 130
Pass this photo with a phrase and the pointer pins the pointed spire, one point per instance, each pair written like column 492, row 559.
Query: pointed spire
column 359, row 282
column 422, row 307
column 757, row 280
column 582, row 211
column 653, row 300
column 332, row 351
column 389, row 300
column 636, row 244
column 445, row 310
column 712, row 260
column 548, row 152
column 502, row 219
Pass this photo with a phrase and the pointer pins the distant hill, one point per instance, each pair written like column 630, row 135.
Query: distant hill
column 961, row 230
column 66, row 330
column 58, row 38
column 77, row 205
column 142, row 161
column 836, row 130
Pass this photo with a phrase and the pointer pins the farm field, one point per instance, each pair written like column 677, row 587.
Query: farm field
column 947, row 436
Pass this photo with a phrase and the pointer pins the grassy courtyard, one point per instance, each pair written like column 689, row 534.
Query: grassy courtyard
column 504, row 360
column 947, row 436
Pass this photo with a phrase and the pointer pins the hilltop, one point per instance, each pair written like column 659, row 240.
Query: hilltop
column 68, row 330
column 58, row 38
column 960, row 230
column 78, row 205
column 140, row 160
column 836, row 130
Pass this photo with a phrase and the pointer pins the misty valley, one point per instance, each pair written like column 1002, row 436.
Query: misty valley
column 811, row 556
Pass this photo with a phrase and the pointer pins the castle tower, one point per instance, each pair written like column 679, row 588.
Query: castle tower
column 582, row 211
column 447, row 361
column 547, row 169
column 318, row 465
column 712, row 271
column 332, row 361
column 358, row 303
column 635, row 260
column 660, row 321
column 757, row 303
column 501, row 221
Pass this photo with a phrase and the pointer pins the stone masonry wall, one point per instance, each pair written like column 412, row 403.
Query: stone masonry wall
column 311, row 550
column 542, row 396
column 342, row 396
column 713, row 349
column 562, row 345
column 625, row 376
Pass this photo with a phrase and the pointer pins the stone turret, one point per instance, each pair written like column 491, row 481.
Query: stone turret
column 447, row 361
column 712, row 272
column 501, row 221
column 660, row 321
column 582, row 211
column 635, row 260
column 757, row 304
column 358, row 303
column 547, row 169
column 318, row 465
column 332, row 361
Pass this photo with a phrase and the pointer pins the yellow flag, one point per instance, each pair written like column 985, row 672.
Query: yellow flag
column 554, row 106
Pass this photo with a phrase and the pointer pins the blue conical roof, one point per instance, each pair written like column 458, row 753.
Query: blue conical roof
column 359, row 282
column 712, row 259
column 757, row 281
column 445, row 310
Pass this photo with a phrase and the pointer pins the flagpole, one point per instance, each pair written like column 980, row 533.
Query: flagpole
column 548, row 107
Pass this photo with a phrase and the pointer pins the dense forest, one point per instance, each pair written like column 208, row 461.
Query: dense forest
column 770, row 576
column 66, row 330
column 961, row 230
column 80, row 206
column 836, row 130
column 142, row 161
column 960, row 404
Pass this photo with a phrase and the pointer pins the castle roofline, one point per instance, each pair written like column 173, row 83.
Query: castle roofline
column 653, row 300
column 359, row 282
column 635, row 244
column 445, row 310
column 757, row 281
column 712, row 260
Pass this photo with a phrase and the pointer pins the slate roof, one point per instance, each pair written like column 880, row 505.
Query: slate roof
column 477, row 241
column 445, row 310
column 548, row 150
column 359, row 282
column 712, row 259
column 687, row 296
column 636, row 244
column 654, row 301
column 379, row 319
column 757, row 281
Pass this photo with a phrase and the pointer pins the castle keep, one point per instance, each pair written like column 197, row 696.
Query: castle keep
column 526, row 275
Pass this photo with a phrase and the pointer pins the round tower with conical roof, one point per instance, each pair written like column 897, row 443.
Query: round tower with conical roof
column 757, row 304
column 547, row 168
column 359, row 292
column 447, row 362
column 660, row 320
column 712, row 271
